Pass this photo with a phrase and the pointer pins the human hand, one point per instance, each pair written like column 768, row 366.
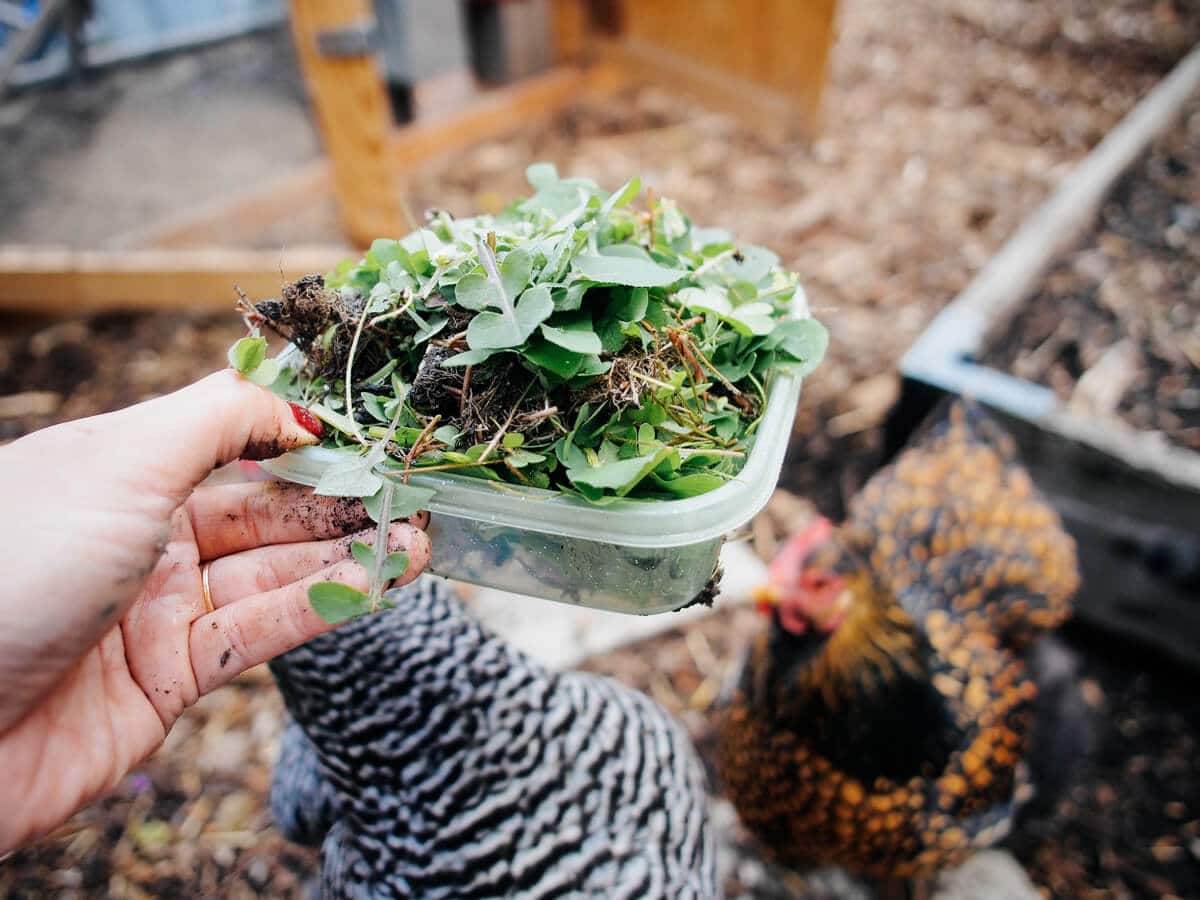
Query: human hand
column 105, row 633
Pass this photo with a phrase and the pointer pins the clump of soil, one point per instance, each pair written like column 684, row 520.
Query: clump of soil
column 321, row 322
column 1115, row 329
column 436, row 390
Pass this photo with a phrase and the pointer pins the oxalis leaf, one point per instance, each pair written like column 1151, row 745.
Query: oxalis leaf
column 629, row 305
column 554, row 359
column 247, row 354
column 691, row 485
column 626, row 271
column 803, row 340
column 541, row 175
column 493, row 331
column 621, row 476
column 577, row 336
column 336, row 603
column 623, row 196
column 467, row 358
column 352, row 477
column 407, row 499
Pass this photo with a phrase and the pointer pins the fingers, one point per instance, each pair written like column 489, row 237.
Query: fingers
column 183, row 436
column 258, row 628
column 267, row 568
column 235, row 517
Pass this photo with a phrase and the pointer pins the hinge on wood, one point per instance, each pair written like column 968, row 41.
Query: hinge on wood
column 358, row 38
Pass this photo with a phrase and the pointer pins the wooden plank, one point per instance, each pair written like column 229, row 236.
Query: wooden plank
column 496, row 111
column 354, row 117
column 781, row 45
column 769, row 112
column 232, row 220
column 63, row 281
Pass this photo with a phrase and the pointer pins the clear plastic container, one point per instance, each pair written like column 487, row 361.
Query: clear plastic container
column 629, row 556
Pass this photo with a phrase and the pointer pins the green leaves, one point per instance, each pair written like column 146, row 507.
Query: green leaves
column 620, row 476
column 554, row 359
column 247, row 354
column 492, row 331
column 801, row 343
column 575, row 334
column 541, row 175
column 629, row 305
column 626, row 270
column 392, row 567
column 623, row 196
column 475, row 291
column 747, row 319
column 407, row 500
column 249, row 357
column 351, row 477
column 336, row 603
column 468, row 358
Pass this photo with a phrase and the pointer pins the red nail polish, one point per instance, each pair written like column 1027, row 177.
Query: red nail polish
column 307, row 420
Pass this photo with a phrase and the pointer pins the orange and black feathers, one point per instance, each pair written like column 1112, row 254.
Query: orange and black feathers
column 894, row 744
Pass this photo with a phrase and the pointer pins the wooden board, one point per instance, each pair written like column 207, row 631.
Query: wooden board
column 764, row 109
column 62, row 281
column 496, row 111
column 782, row 45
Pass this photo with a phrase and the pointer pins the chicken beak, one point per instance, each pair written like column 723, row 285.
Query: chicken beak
column 766, row 597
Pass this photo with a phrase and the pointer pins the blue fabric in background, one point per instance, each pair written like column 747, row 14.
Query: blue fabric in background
column 128, row 29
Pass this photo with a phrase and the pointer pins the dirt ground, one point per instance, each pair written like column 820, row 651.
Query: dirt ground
column 946, row 125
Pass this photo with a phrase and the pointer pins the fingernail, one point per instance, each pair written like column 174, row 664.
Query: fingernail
column 307, row 420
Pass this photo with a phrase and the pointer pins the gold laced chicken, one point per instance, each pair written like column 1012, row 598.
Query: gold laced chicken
column 881, row 720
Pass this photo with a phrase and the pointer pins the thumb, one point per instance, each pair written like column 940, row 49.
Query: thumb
column 223, row 417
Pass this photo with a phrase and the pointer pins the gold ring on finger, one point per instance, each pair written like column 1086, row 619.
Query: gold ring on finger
column 208, row 601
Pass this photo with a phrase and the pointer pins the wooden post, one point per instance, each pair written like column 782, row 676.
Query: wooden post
column 354, row 118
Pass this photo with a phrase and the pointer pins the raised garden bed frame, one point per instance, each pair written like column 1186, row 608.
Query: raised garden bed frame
column 1131, row 498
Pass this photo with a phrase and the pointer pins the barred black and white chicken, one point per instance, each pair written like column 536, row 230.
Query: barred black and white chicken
column 429, row 758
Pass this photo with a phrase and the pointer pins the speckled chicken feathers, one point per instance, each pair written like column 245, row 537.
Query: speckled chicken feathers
column 914, row 756
column 460, row 768
column 956, row 524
